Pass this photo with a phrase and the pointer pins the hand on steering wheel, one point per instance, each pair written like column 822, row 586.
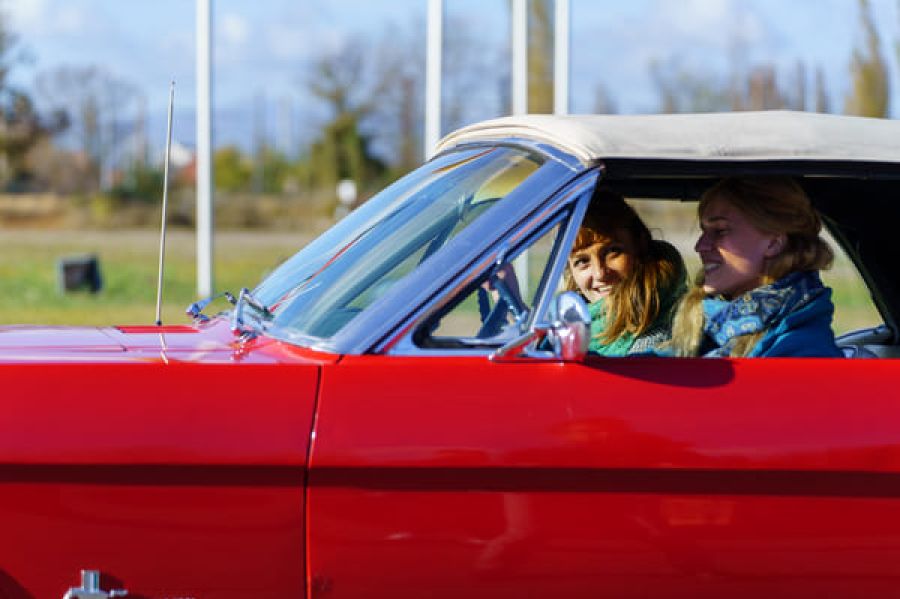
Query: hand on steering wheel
column 504, row 288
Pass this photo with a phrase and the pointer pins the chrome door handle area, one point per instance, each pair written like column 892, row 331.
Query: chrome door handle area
column 90, row 588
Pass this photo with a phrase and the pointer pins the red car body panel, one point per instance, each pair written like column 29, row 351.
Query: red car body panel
column 178, row 468
column 174, row 477
column 636, row 478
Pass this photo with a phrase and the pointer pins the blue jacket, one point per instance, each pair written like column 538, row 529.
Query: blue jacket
column 804, row 332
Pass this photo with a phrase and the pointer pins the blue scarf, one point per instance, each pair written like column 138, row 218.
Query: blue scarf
column 757, row 310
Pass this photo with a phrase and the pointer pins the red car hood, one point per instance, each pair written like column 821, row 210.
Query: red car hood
column 210, row 342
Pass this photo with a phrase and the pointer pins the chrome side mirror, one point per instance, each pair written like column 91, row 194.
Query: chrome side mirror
column 570, row 333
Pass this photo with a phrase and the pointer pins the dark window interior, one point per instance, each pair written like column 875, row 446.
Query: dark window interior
column 859, row 202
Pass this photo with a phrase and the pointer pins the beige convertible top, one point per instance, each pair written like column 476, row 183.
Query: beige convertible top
column 767, row 135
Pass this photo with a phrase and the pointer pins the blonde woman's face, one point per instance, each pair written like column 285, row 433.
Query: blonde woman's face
column 732, row 250
column 598, row 268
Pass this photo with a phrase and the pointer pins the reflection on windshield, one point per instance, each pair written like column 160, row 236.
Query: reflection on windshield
column 323, row 287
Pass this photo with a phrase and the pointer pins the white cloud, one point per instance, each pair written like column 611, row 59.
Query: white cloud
column 69, row 20
column 234, row 29
column 26, row 14
column 708, row 25
column 289, row 42
column 38, row 18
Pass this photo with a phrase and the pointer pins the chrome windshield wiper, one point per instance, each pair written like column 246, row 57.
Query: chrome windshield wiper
column 238, row 324
column 195, row 310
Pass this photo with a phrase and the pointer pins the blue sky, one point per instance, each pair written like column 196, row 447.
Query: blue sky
column 263, row 46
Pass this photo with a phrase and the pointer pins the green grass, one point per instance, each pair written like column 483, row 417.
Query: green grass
column 29, row 287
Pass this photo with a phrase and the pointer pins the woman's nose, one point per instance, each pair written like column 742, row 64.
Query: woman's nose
column 599, row 270
column 702, row 243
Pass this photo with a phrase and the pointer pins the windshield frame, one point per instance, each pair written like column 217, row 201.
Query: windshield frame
column 381, row 317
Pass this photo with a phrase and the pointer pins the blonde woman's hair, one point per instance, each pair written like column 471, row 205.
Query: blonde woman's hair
column 773, row 205
column 635, row 303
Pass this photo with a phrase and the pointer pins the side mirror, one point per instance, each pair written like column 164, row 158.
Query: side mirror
column 570, row 333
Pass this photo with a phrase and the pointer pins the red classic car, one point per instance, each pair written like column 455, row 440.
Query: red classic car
column 355, row 426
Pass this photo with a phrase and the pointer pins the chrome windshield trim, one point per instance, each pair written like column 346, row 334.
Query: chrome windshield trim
column 400, row 341
column 551, row 152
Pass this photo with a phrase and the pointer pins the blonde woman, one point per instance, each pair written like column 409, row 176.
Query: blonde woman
column 631, row 281
column 759, row 292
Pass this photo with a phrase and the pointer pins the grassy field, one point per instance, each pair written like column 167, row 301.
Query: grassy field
column 30, row 294
column 29, row 285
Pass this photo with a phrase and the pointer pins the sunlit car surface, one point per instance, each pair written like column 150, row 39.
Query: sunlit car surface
column 364, row 423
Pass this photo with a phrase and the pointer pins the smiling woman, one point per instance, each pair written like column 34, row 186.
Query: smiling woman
column 632, row 282
column 759, row 292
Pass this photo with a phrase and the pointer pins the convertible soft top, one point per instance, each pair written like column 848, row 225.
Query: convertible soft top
column 764, row 135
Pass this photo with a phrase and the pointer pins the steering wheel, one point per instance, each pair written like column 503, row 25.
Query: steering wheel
column 493, row 319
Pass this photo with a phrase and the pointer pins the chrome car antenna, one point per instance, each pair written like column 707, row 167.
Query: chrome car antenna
column 165, row 203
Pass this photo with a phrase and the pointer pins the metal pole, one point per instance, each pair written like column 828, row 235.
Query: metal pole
column 433, row 76
column 562, row 21
column 205, row 222
column 519, row 56
column 519, row 34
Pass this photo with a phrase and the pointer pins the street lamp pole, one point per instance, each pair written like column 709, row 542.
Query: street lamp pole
column 205, row 222
column 561, row 45
column 433, row 76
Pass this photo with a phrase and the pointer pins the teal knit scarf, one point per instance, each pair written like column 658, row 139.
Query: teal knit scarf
column 622, row 344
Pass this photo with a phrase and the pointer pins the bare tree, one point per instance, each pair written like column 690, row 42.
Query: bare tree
column 374, row 93
column 683, row 91
column 341, row 80
column 796, row 99
column 822, row 104
column 96, row 102
column 763, row 92
column 869, row 94
column 603, row 100
column 476, row 75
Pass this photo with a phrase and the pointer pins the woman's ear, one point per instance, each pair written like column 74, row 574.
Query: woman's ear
column 776, row 245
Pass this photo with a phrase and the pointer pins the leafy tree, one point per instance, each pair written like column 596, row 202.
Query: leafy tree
column 540, row 56
column 869, row 94
column 233, row 171
column 343, row 150
column 20, row 125
column 142, row 182
column 276, row 170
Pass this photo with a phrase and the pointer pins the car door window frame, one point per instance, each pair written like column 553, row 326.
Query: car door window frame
column 565, row 207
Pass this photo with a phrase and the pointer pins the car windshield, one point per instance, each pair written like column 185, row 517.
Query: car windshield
column 324, row 286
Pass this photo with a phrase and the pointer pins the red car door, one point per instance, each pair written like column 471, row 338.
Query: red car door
column 647, row 477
